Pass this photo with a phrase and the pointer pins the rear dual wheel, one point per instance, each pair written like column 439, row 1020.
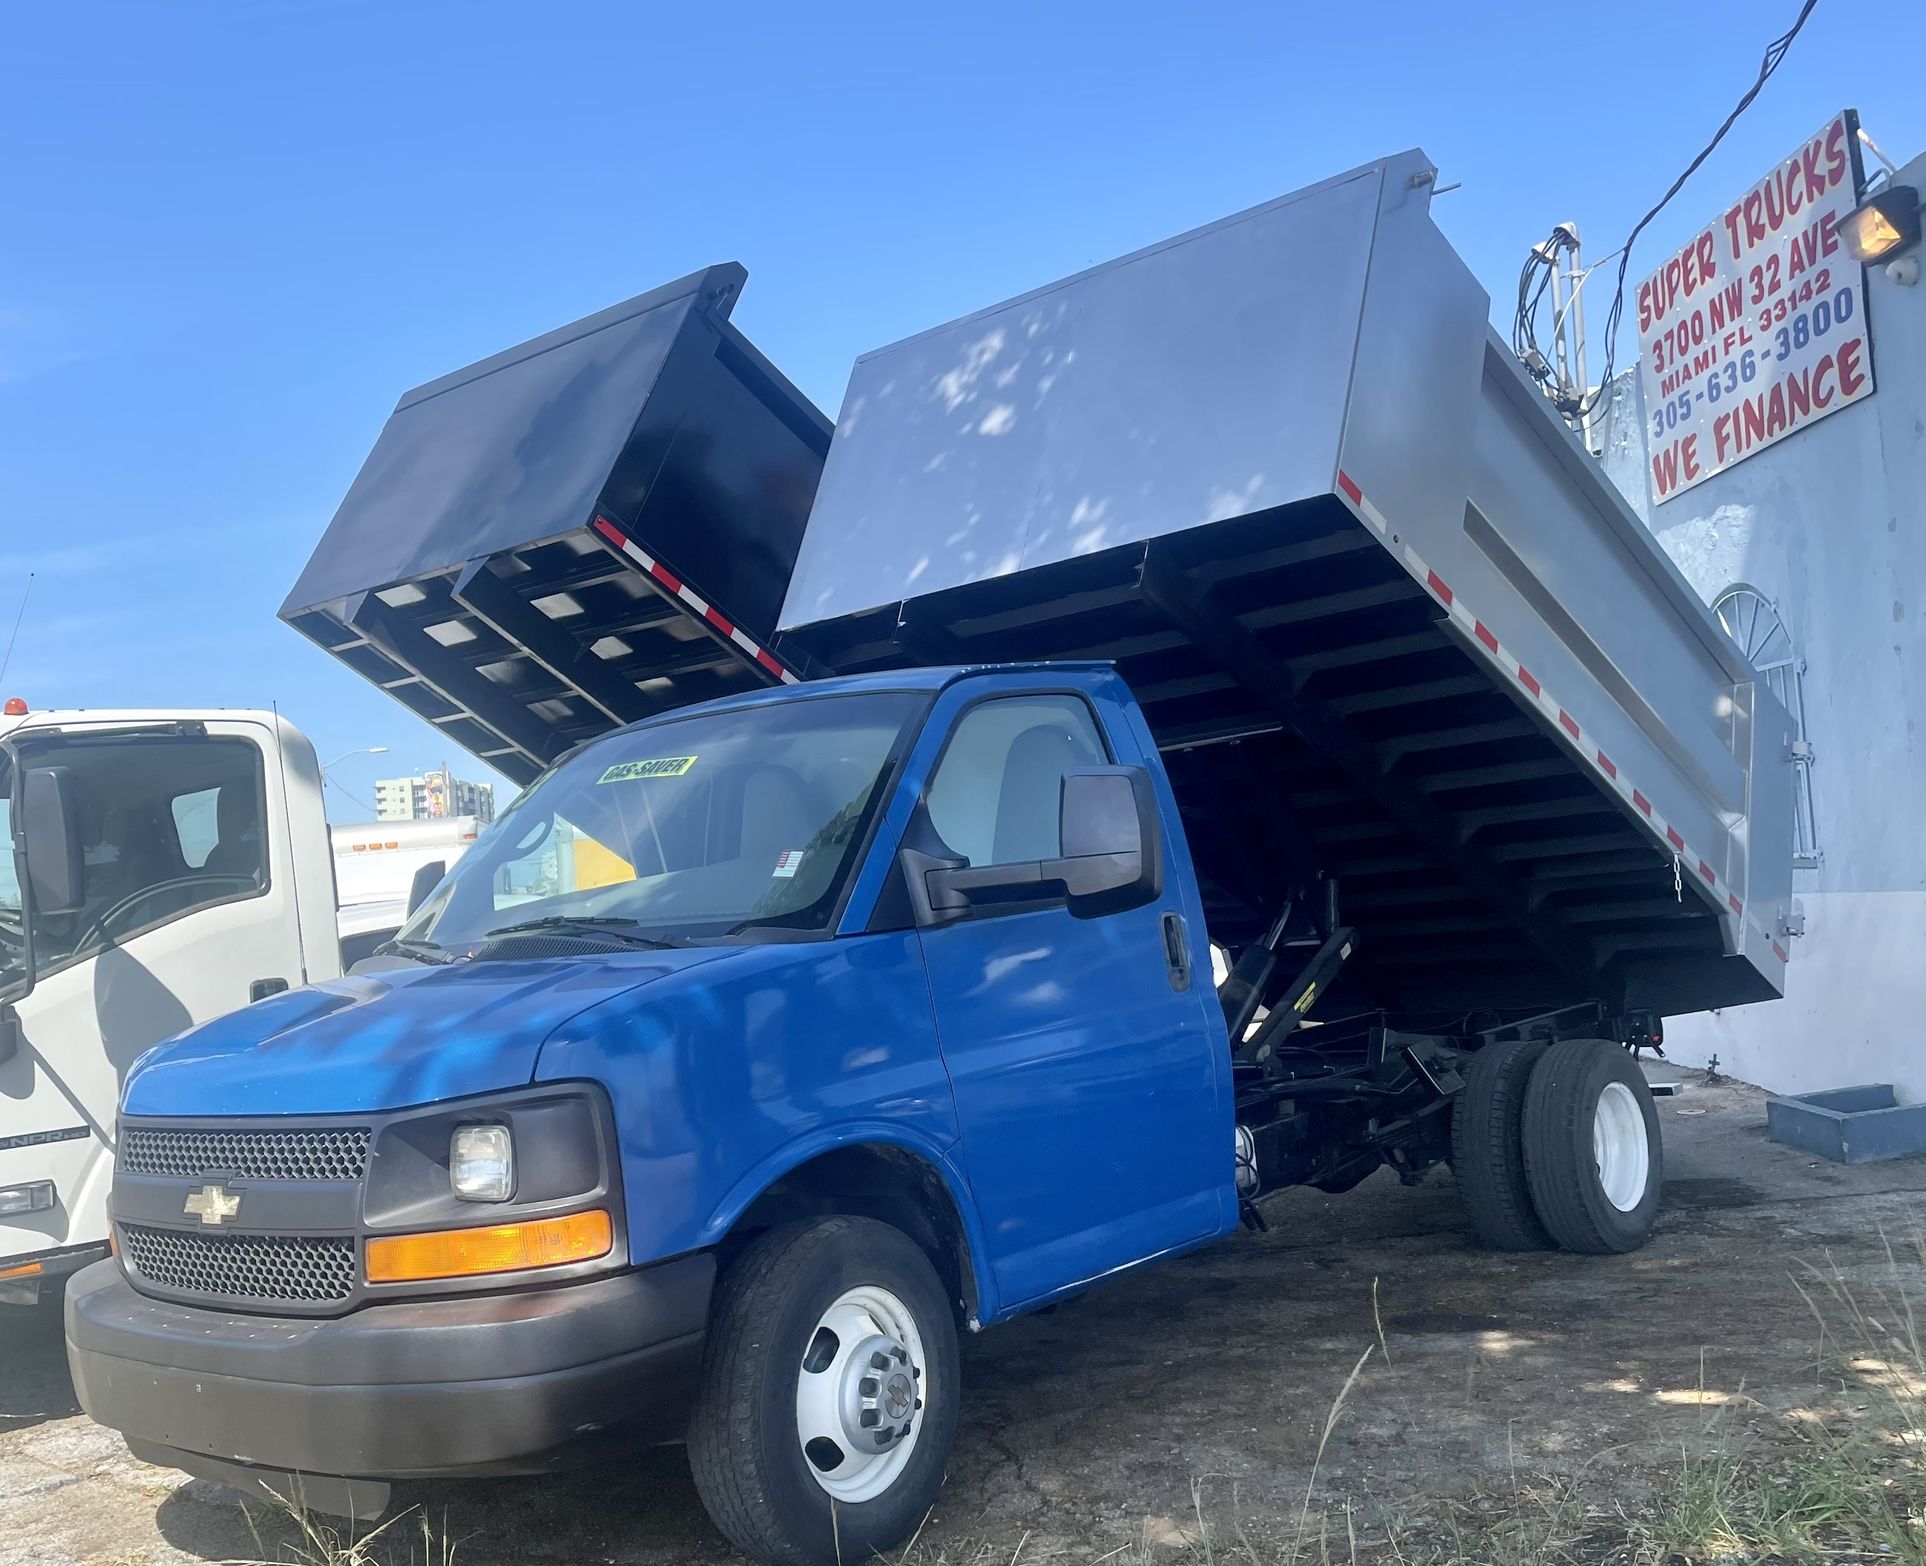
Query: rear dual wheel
column 1591, row 1142
column 1488, row 1150
column 1557, row 1145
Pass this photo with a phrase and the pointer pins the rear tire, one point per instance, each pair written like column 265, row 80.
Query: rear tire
column 792, row 1392
column 1487, row 1147
column 1592, row 1150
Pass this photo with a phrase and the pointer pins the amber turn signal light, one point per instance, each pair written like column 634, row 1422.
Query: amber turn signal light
column 506, row 1247
column 27, row 1270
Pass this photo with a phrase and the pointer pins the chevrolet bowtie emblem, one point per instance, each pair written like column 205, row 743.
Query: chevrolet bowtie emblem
column 212, row 1205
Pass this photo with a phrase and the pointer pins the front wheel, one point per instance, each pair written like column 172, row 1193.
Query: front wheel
column 1591, row 1140
column 829, row 1394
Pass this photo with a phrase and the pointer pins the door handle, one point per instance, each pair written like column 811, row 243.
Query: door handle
column 261, row 989
column 1176, row 951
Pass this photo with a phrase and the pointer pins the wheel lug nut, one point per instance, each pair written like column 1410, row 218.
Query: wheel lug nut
column 869, row 1386
column 878, row 1362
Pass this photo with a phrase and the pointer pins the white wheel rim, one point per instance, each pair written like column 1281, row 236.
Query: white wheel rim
column 1620, row 1147
column 860, row 1393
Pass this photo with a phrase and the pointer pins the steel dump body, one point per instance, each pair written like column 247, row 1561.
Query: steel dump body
column 1387, row 621
column 1389, row 625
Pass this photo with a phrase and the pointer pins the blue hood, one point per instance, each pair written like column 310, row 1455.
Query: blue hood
column 388, row 1040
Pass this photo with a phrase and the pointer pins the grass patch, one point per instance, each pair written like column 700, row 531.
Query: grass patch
column 1842, row 1480
column 308, row 1538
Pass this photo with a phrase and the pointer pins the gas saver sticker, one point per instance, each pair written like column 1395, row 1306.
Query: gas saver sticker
column 659, row 767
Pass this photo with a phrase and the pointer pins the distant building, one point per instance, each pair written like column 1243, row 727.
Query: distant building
column 432, row 796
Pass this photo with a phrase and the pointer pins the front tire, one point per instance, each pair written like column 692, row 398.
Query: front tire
column 829, row 1394
column 1592, row 1152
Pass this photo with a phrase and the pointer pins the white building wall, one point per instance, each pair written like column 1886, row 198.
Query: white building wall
column 1830, row 525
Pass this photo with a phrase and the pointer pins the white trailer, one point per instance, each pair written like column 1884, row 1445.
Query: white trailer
column 377, row 865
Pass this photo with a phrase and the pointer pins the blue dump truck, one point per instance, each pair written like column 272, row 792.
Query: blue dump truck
column 843, row 979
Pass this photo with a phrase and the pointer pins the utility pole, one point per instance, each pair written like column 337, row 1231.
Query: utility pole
column 1571, row 390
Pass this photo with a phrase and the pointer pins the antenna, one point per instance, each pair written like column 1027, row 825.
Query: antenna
column 8, row 658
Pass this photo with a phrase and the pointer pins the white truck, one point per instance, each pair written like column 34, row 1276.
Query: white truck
column 376, row 866
column 200, row 878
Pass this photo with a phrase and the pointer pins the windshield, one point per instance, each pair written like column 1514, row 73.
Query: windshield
column 693, row 827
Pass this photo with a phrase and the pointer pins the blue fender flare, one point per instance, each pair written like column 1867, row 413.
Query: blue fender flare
column 793, row 1155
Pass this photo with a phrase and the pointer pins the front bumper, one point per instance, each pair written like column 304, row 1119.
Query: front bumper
column 506, row 1383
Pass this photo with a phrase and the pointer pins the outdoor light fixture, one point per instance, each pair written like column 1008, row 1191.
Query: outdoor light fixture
column 1881, row 226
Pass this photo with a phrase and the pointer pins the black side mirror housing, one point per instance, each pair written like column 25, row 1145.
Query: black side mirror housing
column 50, row 829
column 1113, row 852
column 1112, row 857
column 426, row 879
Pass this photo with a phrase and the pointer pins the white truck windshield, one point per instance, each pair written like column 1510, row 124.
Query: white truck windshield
column 692, row 827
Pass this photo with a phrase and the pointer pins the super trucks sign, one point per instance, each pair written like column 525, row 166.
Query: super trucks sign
column 1757, row 328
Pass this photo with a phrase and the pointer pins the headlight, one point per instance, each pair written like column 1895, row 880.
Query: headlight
column 37, row 1196
column 481, row 1163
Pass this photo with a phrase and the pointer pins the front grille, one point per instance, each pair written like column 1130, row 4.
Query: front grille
column 334, row 1153
column 296, row 1268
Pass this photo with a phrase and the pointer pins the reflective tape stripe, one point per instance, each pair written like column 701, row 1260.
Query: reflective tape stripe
column 760, row 655
column 1482, row 636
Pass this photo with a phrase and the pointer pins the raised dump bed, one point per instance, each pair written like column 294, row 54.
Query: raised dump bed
column 1390, row 625
column 1392, row 629
column 576, row 533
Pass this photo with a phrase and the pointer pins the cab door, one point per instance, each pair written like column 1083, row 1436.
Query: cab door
column 1087, row 1062
column 189, row 912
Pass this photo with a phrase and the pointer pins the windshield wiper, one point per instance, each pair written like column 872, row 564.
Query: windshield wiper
column 590, row 926
column 421, row 951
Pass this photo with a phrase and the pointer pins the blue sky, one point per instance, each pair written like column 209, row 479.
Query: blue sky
column 234, row 234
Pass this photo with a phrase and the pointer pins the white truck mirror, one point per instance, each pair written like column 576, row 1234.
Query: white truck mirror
column 50, row 828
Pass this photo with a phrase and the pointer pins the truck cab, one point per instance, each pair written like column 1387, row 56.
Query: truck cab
column 908, row 971
column 182, row 872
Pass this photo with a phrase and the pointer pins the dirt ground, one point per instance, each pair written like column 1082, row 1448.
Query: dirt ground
column 1094, row 1429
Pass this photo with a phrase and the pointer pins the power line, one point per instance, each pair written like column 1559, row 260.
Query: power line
column 352, row 798
column 1524, row 338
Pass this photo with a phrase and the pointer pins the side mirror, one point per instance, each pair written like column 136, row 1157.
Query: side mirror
column 1113, row 856
column 426, row 879
column 50, row 829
